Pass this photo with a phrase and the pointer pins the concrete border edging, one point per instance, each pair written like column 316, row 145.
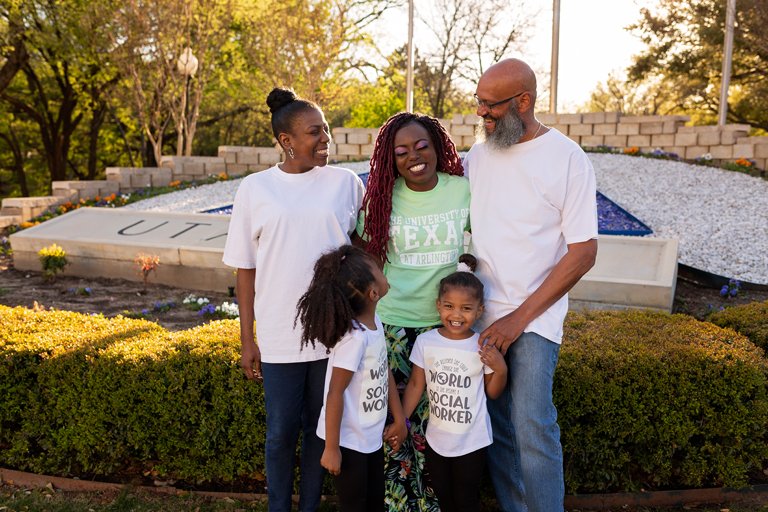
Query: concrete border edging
column 757, row 494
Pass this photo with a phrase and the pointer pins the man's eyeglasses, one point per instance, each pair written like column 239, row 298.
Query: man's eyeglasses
column 491, row 106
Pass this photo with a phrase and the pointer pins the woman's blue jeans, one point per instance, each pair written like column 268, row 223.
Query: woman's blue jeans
column 526, row 458
column 293, row 396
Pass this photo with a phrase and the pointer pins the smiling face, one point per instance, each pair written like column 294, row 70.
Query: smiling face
column 310, row 138
column 415, row 157
column 459, row 309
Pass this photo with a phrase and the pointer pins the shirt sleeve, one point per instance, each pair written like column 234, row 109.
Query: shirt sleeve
column 579, row 217
column 242, row 242
column 349, row 351
column 417, row 353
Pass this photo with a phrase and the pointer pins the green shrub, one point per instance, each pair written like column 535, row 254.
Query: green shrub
column 645, row 401
column 650, row 400
column 84, row 395
column 751, row 320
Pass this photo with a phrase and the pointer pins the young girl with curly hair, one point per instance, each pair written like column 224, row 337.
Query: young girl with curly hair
column 339, row 311
column 414, row 216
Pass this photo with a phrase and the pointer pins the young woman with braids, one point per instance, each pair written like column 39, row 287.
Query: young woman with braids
column 415, row 212
column 339, row 311
column 283, row 219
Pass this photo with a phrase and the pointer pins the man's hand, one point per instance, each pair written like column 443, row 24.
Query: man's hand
column 250, row 360
column 503, row 332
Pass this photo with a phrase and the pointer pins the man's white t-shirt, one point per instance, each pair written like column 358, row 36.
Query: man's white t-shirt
column 528, row 202
column 458, row 419
column 363, row 352
column 281, row 223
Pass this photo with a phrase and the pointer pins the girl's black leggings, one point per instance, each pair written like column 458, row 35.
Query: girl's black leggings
column 456, row 480
column 360, row 485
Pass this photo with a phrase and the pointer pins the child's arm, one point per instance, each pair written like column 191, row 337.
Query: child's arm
column 396, row 432
column 334, row 409
column 494, row 382
column 413, row 391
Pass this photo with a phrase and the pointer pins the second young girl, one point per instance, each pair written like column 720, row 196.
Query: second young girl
column 457, row 378
column 339, row 311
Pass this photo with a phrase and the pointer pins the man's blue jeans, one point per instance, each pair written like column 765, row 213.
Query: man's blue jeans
column 526, row 459
column 293, row 396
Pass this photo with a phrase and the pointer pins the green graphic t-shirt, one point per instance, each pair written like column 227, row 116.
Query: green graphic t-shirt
column 426, row 238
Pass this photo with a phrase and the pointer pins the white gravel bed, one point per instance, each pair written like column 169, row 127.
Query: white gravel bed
column 720, row 217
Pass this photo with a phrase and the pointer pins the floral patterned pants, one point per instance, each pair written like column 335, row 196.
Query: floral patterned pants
column 406, row 484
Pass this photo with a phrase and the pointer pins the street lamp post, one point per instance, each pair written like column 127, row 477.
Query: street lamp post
column 187, row 66
column 730, row 15
column 409, row 69
column 555, row 56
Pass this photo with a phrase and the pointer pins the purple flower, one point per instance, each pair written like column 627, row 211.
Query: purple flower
column 734, row 292
column 724, row 290
column 145, row 311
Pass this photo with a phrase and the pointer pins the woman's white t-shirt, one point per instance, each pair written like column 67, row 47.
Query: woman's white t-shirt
column 363, row 352
column 281, row 223
column 458, row 418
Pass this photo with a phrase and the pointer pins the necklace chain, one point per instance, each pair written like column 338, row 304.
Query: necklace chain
column 537, row 130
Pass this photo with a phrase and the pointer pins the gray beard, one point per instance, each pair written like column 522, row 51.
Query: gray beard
column 509, row 130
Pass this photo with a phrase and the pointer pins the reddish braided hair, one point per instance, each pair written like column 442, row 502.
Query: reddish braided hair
column 377, row 201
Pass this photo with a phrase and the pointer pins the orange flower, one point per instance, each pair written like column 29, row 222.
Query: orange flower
column 631, row 151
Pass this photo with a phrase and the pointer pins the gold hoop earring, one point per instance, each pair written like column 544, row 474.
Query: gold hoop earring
column 291, row 153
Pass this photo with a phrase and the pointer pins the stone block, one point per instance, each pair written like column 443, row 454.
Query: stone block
column 269, row 158
column 575, row 138
column 257, row 168
column 641, row 141
column 472, row 119
column 348, row 149
column 760, row 163
column 627, row 128
column 230, row 157
column 367, row 150
column 709, row 138
column 612, row 117
column 196, row 169
column 686, row 129
column 562, row 128
column 160, row 177
column 339, row 138
column 616, row 141
column 743, row 150
column 446, row 124
column 705, row 129
column 641, row 119
column 457, row 119
column 593, row 117
column 737, row 128
column 467, row 141
column 580, row 129
column 215, row 168
column 693, row 152
column 761, row 150
column 671, row 127
column 569, row 118
column 721, row 152
column 653, row 128
column 592, row 141
column 686, row 139
column 247, row 158
column 140, row 180
column 237, row 169
column 604, row 129
column 461, row 130
column 677, row 150
column 9, row 220
column 662, row 140
column 361, row 137
column 546, row 117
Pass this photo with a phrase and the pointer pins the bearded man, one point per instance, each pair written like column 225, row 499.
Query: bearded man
column 534, row 231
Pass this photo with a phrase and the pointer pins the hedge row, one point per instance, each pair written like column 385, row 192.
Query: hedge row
column 645, row 401
column 87, row 395
column 751, row 320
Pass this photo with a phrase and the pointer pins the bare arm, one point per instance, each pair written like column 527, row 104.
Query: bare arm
column 571, row 267
column 334, row 409
column 413, row 391
column 396, row 432
column 250, row 356
column 494, row 382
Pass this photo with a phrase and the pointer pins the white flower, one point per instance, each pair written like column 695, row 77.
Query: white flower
column 229, row 308
column 202, row 301
column 706, row 156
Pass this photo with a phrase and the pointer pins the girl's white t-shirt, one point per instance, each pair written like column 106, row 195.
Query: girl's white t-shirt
column 281, row 223
column 458, row 417
column 363, row 352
